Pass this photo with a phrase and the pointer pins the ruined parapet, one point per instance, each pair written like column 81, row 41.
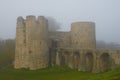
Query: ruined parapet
column 20, row 58
column 83, row 35
column 36, row 43
column 62, row 39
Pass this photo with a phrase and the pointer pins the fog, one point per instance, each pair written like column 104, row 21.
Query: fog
column 105, row 13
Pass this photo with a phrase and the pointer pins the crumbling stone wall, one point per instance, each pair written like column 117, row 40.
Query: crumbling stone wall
column 63, row 39
column 37, row 48
column 58, row 40
column 32, row 43
column 88, row 59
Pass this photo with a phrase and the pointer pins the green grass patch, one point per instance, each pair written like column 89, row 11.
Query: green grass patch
column 56, row 73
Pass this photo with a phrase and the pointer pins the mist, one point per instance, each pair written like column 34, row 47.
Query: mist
column 53, row 25
column 105, row 13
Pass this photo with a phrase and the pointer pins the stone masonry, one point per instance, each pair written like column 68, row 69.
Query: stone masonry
column 31, row 43
column 83, row 35
column 38, row 48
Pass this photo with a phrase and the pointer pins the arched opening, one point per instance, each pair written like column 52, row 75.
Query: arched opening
column 53, row 45
column 76, row 60
column 105, row 62
column 66, row 57
column 62, row 59
column 89, row 61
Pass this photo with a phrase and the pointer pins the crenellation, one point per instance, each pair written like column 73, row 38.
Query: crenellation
column 32, row 46
column 38, row 48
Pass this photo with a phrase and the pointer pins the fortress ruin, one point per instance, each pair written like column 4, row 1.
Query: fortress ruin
column 38, row 48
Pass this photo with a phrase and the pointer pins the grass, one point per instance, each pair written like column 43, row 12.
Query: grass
column 56, row 73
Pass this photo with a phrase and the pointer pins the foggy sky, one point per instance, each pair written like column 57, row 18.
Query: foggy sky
column 105, row 13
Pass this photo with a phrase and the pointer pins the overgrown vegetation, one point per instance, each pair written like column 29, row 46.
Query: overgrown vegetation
column 7, row 51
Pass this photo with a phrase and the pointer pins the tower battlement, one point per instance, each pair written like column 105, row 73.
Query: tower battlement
column 38, row 48
column 31, row 43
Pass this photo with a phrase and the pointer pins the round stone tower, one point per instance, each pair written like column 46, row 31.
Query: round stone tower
column 83, row 35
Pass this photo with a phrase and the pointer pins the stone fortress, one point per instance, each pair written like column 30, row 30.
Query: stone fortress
column 38, row 48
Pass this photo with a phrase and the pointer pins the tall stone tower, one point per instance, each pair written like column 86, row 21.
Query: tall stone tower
column 32, row 33
column 83, row 35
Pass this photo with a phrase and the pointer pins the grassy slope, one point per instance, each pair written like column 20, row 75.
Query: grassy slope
column 56, row 73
